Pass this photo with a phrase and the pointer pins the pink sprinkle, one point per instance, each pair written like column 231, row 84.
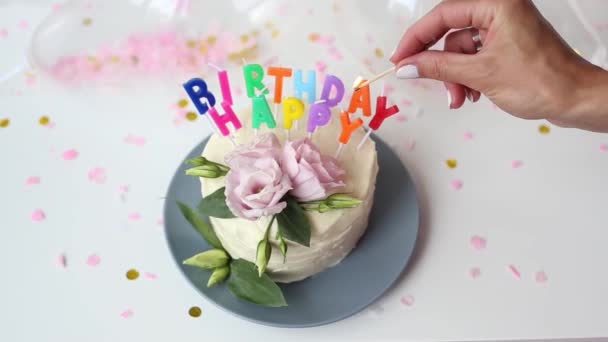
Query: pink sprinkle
column 23, row 24
column 38, row 215
column 93, row 260
column 411, row 144
column 456, row 184
column 388, row 89
column 477, row 242
column 3, row 33
column 30, row 80
column 406, row 103
column 541, row 277
column 31, row 180
column 320, row 66
column 150, row 275
column 61, row 260
column 407, row 300
column 69, row 154
column 123, row 188
column 603, row 147
column 139, row 140
column 474, row 272
column 467, row 135
column 160, row 221
column 134, row 216
column 514, row 271
column 56, row 6
column 97, row 175
column 516, row 164
column 128, row 313
column 401, row 118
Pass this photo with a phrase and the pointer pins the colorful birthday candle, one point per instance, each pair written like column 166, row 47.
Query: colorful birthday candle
column 348, row 127
column 381, row 114
column 254, row 74
column 197, row 90
column 319, row 115
column 279, row 73
column 334, row 82
column 222, row 120
column 361, row 99
column 222, row 76
column 309, row 86
column 260, row 112
column 293, row 109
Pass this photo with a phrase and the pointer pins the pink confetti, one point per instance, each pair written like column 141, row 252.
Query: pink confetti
column 123, row 188
column 3, row 33
column 128, row 313
column 516, row 164
column 97, row 175
column 31, row 180
column 160, row 221
column 141, row 141
column 514, row 271
column 401, row 118
column 407, row 300
column 93, row 260
column 541, row 277
column 151, row 276
column 56, row 6
column 320, row 66
column 62, row 260
column 23, row 24
column 38, row 215
column 603, row 147
column 406, row 103
column 467, row 135
column 478, row 243
column 134, row 216
column 474, row 272
column 456, row 184
column 411, row 144
column 388, row 89
column 69, row 154
column 30, row 80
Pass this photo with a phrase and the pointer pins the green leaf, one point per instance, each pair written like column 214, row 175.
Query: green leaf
column 245, row 283
column 293, row 223
column 209, row 259
column 214, row 205
column 219, row 275
column 201, row 226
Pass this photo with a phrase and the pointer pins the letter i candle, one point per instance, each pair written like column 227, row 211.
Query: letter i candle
column 293, row 108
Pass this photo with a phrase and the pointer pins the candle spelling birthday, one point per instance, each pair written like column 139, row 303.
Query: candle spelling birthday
column 293, row 108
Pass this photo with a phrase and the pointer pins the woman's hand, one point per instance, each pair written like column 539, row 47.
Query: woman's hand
column 523, row 66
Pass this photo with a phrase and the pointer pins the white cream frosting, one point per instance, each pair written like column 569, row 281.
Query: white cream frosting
column 333, row 234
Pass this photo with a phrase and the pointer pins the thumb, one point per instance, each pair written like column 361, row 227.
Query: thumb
column 439, row 65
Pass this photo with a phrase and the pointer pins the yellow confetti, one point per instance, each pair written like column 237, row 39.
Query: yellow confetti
column 451, row 163
column 378, row 52
column 255, row 32
column 132, row 274
column 87, row 21
column 313, row 37
column 544, row 129
column 182, row 103
column 44, row 120
column 203, row 49
column 191, row 43
column 211, row 40
column 4, row 122
column 195, row 311
column 244, row 38
column 114, row 59
column 275, row 33
column 191, row 116
column 269, row 24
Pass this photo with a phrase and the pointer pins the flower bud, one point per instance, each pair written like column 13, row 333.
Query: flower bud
column 342, row 201
column 209, row 259
column 197, row 161
column 219, row 275
column 205, row 171
column 262, row 256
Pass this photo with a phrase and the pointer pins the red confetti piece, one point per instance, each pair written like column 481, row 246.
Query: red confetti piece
column 38, row 215
column 31, row 180
column 93, row 260
column 516, row 164
column 127, row 313
column 456, row 184
column 478, row 243
column 541, row 277
column 407, row 300
column 514, row 271
column 69, row 154
column 474, row 272
column 97, row 175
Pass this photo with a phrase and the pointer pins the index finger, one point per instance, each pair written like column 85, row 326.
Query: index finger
column 450, row 14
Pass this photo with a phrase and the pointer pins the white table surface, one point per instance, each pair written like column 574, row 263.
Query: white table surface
column 547, row 215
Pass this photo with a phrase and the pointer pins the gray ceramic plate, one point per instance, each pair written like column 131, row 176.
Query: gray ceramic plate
column 332, row 295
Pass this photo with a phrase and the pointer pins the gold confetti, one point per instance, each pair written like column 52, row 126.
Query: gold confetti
column 44, row 120
column 211, row 40
column 191, row 43
column 313, row 37
column 114, row 59
column 4, row 122
column 203, row 49
column 544, row 129
column 132, row 274
column 182, row 103
column 378, row 52
column 191, row 116
column 255, row 32
column 244, row 38
column 269, row 24
column 195, row 311
column 87, row 21
column 451, row 163
column 275, row 33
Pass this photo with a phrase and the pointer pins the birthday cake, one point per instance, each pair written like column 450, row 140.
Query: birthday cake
column 333, row 233
column 285, row 192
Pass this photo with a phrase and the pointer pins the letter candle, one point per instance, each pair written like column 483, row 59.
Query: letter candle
column 381, row 113
column 197, row 90
column 279, row 73
column 348, row 128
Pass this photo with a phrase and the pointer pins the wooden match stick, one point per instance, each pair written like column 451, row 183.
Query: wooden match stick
column 377, row 77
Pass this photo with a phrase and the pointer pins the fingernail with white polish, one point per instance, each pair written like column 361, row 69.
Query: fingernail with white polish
column 449, row 99
column 407, row 72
